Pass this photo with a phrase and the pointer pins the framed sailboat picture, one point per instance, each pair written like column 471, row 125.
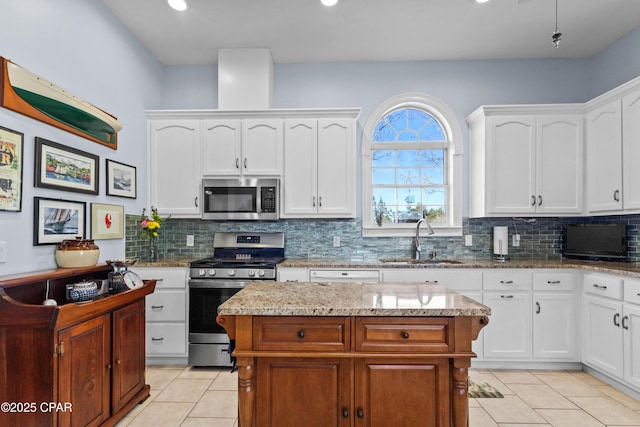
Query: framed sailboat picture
column 11, row 148
column 121, row 180
column 56, row 220
column 64, row 168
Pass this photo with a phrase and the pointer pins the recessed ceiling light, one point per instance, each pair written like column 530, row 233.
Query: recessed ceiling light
column 482, row 1
column 329, row 2
column 178, row 4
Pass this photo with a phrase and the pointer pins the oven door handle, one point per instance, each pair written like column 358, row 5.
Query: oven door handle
column 220, row 284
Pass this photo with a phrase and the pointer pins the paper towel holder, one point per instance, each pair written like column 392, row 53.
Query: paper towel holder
column 501, row 243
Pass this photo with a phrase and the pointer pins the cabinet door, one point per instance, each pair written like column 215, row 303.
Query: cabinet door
column 84, row 372
column 408, row 393
column 559, row 173
column 554, row 326
column 602, row 346
column 262, row 143
column 128, row 354
column 631, row 325
column 300, row 167
column 312, row 392
column 604, row 158
column 508, row 335
column 336, row 163
column 631, row 147
column 220, row 149
column 511, row 164
column 175, row 167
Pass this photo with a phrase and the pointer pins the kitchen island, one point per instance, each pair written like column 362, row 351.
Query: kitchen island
column 352, row 354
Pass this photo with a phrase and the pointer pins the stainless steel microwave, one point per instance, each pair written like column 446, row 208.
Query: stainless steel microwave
column 241, row 199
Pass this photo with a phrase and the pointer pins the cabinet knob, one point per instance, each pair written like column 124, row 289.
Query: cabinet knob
column 405, row 335
column 345, row 413
column 300, row 334
column 118, row 362
column 360, row 413
column 109, row 366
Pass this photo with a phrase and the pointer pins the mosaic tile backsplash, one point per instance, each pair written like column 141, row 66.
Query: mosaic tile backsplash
column 540, row 238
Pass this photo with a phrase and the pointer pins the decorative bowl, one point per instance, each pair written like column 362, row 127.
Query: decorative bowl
column 77, row 253
column 83, row 291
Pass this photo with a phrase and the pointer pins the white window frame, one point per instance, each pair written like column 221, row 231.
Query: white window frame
column 451, row 126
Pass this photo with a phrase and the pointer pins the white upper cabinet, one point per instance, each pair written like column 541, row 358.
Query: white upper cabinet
column 604, row 158
column 631, row 150
column 175, row 167
column 248, row 147
column 319, row 168
column 526, row 160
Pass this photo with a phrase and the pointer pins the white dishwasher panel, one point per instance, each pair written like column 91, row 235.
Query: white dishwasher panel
column 344, row 275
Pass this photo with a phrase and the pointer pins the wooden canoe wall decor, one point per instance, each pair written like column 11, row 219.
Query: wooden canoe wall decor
column 28, row 94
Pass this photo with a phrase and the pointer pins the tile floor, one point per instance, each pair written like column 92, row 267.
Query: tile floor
column 192, row 397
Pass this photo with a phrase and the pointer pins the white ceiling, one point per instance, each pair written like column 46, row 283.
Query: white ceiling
column 300, row 31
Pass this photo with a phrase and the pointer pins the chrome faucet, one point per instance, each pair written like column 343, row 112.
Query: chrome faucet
column 430, row 231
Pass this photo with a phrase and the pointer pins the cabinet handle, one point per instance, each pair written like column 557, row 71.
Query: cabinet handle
column 237, row 163
column 431, row 281
column 405, row 335
column 616, row 195
column 314, row 201
column 539, row 200
column 360, row 413
column 537, row 307
column 157, row 307
column 345, row 413
column 624, row 323
column 533, row 200
column 300, row 334
column 506, row 282
column 157, row 339
column 599, row 286
column 195, row 202
column 320, row 201
column 245, row 162
column 506, row 296
column 554, row 282
column 616, row 319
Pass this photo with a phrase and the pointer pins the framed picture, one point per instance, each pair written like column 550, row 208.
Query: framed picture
column 107, row 221
column 11, row 149
column 55, row 220
column 121, row 180
column 65, row 168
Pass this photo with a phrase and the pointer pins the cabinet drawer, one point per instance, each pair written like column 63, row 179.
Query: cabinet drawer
column 163, row 339
column 166, row 306
column 404, row 334
column 603, row 285
column 301, row 333
column 167, row 277
column 506, row 281
column 632, row 291
column 554, row 281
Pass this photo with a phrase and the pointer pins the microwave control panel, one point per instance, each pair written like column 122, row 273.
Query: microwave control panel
column 268, row 199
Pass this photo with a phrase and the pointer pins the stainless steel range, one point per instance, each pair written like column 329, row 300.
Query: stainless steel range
column 238, row 259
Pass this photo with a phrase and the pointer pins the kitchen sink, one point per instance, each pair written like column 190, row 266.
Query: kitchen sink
column 411, row 261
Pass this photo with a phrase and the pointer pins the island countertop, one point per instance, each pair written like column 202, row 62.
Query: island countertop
column 266, row 298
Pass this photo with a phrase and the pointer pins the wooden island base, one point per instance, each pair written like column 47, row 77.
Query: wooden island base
column 323, row 371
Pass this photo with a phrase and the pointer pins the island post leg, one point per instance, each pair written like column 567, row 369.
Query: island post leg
column 246, row 391
column 459, row 392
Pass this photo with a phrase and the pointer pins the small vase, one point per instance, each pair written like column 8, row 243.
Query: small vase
column 153, row 253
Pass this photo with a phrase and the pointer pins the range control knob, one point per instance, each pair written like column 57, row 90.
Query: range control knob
column 201, row 272
column 261, row 273
column 251, row 273
column 212, row 272
column 232, row 273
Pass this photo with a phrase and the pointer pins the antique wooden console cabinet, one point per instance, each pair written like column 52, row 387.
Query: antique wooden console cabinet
column 74, row 364
column 352, row 354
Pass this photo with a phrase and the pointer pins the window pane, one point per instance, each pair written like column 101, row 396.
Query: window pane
column 433, row 132
column 383, row 132
column 383, row 176
column 398, row 119
column 418, row 119
column 383, row 158
column 432, row 176
column 407, row 176
column 408, row 136
column 408, row 157
column 432, row 157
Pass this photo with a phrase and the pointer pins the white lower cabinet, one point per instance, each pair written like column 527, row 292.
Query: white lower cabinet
column 166, row 314
column 508, row 335
column 631, row 332
column 293, row 275
column 603, row 335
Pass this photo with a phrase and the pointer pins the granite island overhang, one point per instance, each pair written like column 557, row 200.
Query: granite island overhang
column 344, row 354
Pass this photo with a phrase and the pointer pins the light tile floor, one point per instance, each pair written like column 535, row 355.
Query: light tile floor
column 193, row 397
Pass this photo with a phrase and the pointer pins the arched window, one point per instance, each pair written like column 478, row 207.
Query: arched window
column 411, row 167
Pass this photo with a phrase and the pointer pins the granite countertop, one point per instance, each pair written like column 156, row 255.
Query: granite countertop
column 350, row 299
column 623, row 268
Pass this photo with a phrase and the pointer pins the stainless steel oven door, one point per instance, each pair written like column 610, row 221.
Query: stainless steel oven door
column 205, row 296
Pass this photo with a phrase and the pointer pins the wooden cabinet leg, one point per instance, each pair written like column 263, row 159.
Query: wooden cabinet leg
column 246, row 391
column 459, row 394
